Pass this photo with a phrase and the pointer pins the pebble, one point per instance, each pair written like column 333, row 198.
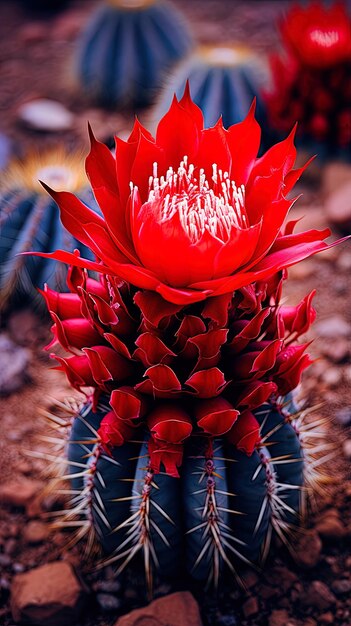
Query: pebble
column 177, row 609
column 250, row 607
column 344, row 261
column 346, row 446
column 107, row 602
column 278, row 618
column 336, row 350
column 5, row 560
column 341, row 586
column 343, row 416
column 317, row 596
column 21, row 493
column 332, row 376
column 329, row 526
column 308, row 549
column 326, row 618
column 335, row 326
column 50, row 594
column 338, row 208
column 35, row 532
column 45, row 115
column 14, row 361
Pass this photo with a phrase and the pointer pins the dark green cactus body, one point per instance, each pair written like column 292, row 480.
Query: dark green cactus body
column 125, row 51
column 220, row 513
column 31, row 221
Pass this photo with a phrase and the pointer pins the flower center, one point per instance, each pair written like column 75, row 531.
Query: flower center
column 214, row 206
column 325, row 39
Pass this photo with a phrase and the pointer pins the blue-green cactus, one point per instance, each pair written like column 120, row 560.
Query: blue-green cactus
column 30, row 220
column 223, row 82
column 222, row 512
column 127, row 48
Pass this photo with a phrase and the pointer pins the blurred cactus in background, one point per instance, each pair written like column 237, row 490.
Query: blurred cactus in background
column 127, row 48
column 223, row 81
column 312, row 77
column 29, row 219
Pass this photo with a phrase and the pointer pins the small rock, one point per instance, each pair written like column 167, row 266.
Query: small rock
column 346, row 446
column 343, row 416
column 330, row 526
column 318, row 596
column 336, row 350
column 250, row 607
column 278, row 618
column 177, row 609
column 5, row 560
column 338, row 208
column 344, row 261
column 250, row 579
column 35, row 532
column 308, row 550
column 107, row 602
column 45, row 115
column 19, row 493
column 14, row 362
column 332, row 376
column 326, row 618
column 331, row 327
column 50, row 595
column 341, row 586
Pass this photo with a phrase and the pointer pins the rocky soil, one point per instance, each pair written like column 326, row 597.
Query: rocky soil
column 42, row 580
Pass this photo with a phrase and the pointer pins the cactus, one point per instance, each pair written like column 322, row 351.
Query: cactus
column 188, row 449
column 223, row 82
column 209, row 497
column 127, row 48
column 220, row 515
column 310, row 80
column 29, row 219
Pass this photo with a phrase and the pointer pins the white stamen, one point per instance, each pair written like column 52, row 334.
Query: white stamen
column 200, row 207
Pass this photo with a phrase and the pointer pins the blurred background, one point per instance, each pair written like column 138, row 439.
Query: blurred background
column 64, row 63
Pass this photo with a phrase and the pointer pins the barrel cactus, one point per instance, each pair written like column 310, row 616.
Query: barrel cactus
column 189, row 449
column 30, row 219
column 223, row 80
column 311, row 78
column 127, row 48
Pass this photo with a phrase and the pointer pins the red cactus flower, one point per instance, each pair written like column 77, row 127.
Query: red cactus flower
column 245, row 434
column 114, row 431
column 216, row 416
column 192, row 213
column 318, row 35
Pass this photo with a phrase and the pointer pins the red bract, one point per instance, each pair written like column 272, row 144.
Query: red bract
column 318, row 35
column 192, row 213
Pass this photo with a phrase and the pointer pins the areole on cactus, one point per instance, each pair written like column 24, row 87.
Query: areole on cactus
column 189, row 448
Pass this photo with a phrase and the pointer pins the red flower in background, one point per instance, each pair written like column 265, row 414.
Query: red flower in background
column 192, row 213
column 318, row 35
column 311, row 79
